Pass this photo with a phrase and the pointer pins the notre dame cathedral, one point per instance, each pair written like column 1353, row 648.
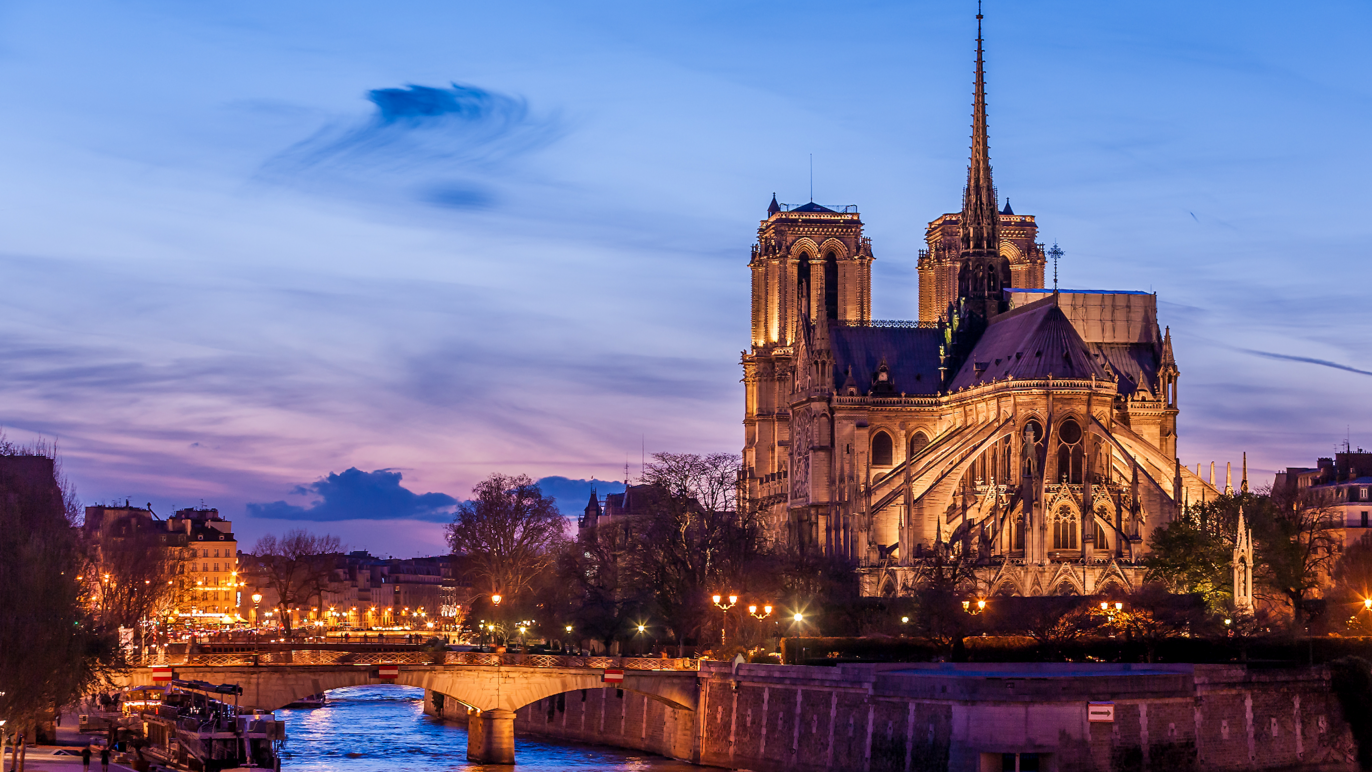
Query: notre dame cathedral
column 1031, row 430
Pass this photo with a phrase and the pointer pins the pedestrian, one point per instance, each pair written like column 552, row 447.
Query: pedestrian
column 105, row 759
column 86, row 759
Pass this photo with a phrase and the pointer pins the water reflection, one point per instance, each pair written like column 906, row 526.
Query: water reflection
column 383, row 728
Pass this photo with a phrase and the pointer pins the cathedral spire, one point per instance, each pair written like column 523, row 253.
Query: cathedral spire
column 980, row 222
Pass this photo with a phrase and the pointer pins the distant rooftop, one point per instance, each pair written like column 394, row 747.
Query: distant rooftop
column 812, row 207
column 1049, row 291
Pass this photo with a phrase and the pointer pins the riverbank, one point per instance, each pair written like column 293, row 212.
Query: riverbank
column 901, row 716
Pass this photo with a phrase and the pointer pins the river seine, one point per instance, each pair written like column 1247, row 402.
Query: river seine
column 383, row 728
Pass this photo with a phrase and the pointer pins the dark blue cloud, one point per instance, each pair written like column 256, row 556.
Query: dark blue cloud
column 1305, row 360
column 572, row 495
column 445, row 143
column 358, row 495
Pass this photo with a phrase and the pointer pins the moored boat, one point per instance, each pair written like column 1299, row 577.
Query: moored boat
column 195, row 729
column 310, row 702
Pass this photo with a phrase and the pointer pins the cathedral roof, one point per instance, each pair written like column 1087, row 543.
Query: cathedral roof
column 1135, row 363
column 1034, row 341
column 910, row 354
column 812, row 207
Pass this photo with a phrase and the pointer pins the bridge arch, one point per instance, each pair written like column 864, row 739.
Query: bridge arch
column 480, row 687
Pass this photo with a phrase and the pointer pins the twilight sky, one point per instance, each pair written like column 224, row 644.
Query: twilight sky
column 331, row 263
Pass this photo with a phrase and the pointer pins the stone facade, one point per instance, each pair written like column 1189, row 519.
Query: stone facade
column 1030, row 429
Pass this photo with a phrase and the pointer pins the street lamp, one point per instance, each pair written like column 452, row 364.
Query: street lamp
column 719, row 601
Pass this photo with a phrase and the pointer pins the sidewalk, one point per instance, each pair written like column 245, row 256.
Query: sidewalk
column 52, row 758
column 40, row 758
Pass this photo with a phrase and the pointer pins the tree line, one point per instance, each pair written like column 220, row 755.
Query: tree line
column 688, row 538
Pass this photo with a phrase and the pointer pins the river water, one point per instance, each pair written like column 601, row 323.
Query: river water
column 384, row 729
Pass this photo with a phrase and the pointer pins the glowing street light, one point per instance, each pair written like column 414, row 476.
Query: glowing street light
column 719, row 601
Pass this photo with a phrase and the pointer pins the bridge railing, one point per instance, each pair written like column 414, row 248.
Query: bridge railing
column 558, row 660
column 331, row 657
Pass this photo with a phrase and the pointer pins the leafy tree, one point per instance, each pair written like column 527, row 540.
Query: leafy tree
column 51, row 649
column 1193, row 553
column 296, row 566
column 508, row 534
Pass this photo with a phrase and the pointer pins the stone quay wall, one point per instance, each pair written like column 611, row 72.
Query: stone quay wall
column 975, row 717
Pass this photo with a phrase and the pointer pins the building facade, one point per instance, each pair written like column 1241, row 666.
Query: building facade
column 1031, row 430
column 1343, row 485
column 197, row 545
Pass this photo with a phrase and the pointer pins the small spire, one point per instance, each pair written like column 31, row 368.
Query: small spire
column 1229, row 478
column 1007, row 209
column 773, row 207
column 1243, row 485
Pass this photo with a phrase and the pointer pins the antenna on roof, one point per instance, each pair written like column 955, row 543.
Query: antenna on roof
column 1055, row 253
column 812, row 178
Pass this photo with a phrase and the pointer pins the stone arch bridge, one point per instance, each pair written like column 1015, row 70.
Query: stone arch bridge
column 491, row 686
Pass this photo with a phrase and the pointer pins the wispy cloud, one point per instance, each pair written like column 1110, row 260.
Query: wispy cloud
column 445, row 142
column 1305, row 360
column 358, row 495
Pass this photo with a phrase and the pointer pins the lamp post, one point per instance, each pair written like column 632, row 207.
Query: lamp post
column 719, row 601
column 641, row 629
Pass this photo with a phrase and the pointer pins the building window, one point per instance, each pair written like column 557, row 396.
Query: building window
column 205, row 568
column 1362, row 494
column 1065, row 529
column 1071, row 455
column 918, row 442
column 1364, row 519
column 881, row 449
column 830, row 286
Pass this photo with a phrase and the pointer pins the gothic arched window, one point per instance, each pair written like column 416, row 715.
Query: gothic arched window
column 1065, row 529
column 803, row 283
column 918, row 442
column 1071, row 454
column 831, row 286
column 882, row 451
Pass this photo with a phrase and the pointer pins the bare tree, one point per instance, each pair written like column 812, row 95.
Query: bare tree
column 602, row 569
column 136, row 576
column 940, row 583
column 695, row 542
column 296, row 566
column 710, row 480
column 509, row 533
column 1297, row 547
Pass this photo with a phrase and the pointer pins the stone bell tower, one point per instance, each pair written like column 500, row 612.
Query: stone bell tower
column 811, row 265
